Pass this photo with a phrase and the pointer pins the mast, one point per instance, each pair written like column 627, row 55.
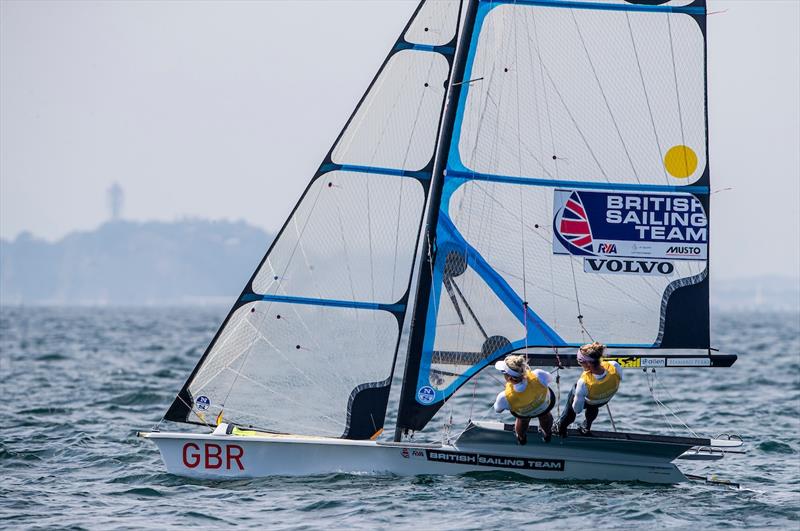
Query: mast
column 429, row 239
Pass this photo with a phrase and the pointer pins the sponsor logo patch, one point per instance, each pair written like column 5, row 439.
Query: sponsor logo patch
column 500, row 461
column 625, row 362
column 684, row 250
column 688, row 362
column 628, row 266
column 426, row 395
column 652, row 362
column 404, row 452
column 202, row 402
column 629, row 224
column 606, row 248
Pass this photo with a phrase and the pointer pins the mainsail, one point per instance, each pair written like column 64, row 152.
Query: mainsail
column 309, row 346
column 575, row 200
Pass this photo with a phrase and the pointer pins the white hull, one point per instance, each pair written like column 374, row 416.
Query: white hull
column 483, row 448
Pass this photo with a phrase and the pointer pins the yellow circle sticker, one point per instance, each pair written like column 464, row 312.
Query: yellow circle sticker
column 680, row 161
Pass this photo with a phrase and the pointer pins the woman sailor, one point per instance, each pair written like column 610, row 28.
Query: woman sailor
column 597, row 385
column 526, row 395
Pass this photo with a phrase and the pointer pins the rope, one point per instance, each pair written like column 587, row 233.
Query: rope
column 611, row 417
column 558, row 382
column 651, row 385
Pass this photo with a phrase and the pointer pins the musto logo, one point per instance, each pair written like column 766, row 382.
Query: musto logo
column 684, row 250
column 641, row 226
column 213, row 456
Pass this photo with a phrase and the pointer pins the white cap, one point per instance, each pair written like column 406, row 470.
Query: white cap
column 502, row 367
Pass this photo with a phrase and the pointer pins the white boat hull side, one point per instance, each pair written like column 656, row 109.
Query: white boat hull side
column 227, row 456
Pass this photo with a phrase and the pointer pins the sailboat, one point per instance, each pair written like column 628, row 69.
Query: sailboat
column 520, row 177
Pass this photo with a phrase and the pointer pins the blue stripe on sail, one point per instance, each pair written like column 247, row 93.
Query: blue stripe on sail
column 453, row 154
column 446, row 50
column 376, row 170
column 538, row 332
column 466, row 174
column 394, row 308
column 442, row 394
column 607, row 7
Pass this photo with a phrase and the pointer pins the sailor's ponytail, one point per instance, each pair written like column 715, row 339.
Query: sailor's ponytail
column 517, row 363
column 594, row 350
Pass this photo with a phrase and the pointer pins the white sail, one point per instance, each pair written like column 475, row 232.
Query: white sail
column 309, row 347
column 576, row 190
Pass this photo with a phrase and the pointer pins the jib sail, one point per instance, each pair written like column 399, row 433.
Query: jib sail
column 576, row 196
column 310, row 344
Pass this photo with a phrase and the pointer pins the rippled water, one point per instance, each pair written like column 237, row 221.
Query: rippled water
column 76, row 384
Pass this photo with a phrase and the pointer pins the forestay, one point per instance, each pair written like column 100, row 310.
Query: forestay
column 575, row 201
column 309, row 346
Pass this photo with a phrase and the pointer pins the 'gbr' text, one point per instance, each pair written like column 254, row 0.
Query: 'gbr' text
column 213, row 456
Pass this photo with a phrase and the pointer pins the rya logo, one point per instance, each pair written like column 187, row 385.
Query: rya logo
column 607, row 248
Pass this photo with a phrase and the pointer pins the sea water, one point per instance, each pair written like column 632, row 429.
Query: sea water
column 77, row 383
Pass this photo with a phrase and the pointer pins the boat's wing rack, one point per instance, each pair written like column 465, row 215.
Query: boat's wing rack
column 634, row 437
column 644, row 361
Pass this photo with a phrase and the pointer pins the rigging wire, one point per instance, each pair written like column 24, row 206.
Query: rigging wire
column 521, row 194
column 652, row 386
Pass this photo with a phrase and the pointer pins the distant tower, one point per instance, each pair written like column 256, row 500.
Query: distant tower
column 116, row 198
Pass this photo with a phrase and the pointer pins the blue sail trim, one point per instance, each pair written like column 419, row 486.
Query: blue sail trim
column 449, row 238
column 446, row 50
column 538, row 333
column 607, row 7
column 442, row 394
column 422, row 175
column 394, row 308
column 466, row 174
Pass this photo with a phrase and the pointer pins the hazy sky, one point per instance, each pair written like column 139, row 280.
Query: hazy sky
column 226, row 110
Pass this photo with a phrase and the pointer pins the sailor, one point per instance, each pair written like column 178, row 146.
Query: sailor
column 527, row 395
column 597, row 385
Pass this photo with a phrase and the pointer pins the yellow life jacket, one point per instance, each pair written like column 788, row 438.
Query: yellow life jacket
column 601, row 391
column 531, row 399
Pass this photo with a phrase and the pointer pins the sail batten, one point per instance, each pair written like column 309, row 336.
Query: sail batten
column 394, row 308
column 533, row 181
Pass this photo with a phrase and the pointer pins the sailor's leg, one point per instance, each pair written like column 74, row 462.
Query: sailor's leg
column 521, row 429
column 546, row 418
column 591, row 414
column 546, row 425
column 568, row 416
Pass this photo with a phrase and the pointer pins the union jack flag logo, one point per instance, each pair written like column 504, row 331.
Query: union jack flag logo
column 574, row 225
